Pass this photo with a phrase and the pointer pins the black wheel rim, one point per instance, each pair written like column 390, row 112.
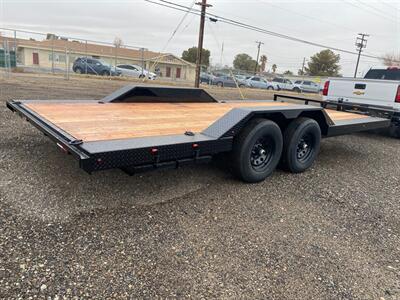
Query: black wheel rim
column 261, row 153
column 305, row 147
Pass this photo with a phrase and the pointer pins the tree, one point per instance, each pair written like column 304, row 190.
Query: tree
column 288, row 72
column 190, row 55
column 301, row 72
column 244, row 62
column 118, row 42
column 274, row 67
column 323, row 63
column 391, row 60
column 263, row 60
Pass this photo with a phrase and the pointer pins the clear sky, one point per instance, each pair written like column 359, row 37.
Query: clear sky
column 139, row 23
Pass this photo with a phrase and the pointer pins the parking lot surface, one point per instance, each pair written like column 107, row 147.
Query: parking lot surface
column 329, row 233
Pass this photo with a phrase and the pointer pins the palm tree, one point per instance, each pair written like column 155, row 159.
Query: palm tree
column 274, row 67
column 263, row 60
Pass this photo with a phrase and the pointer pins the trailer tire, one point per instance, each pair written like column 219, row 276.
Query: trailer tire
column 301, row 143
column 257, row 150
column 394, row 131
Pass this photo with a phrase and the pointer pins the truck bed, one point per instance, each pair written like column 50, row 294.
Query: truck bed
column 149, row 126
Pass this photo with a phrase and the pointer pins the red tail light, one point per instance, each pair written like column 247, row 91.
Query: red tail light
column 326, row 88
column 397, row 99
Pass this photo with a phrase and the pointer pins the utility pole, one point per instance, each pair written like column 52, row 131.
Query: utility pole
column 361, row 43
column 258, row 55
column 203, row 5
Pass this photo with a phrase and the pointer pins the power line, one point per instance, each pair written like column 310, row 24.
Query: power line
column 172, row 35
column 306, row 16
column 384, row 17
column 389, row 5
column 375, row 9
column 255, row 28
column 178, row 26
column 222, row 57
column 313, row 18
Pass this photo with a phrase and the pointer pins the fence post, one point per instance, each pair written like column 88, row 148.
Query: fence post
column 142, row 53
column 52, row 54
column 7, row 62
column 66, row 64
column 86, row 57
column 15, row 39
column 115, row 60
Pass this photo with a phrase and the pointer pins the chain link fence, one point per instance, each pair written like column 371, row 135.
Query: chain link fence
column 34, row 52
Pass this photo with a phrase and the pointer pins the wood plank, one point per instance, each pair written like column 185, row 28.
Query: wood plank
column 342, row 115
column 94, row 121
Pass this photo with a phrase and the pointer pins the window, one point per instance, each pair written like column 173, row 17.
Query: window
column 388, row 74
column 307, row 82
column 57, row 57
column 168, row 72
column 256, row 79
column 277, row 80
column 297, row 82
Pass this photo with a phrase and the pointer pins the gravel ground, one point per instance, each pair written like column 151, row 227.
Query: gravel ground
column 329, row 233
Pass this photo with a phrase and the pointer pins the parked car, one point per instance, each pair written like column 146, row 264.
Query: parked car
column 83, row 65
column 259, row 82
column 306, row 86
column 227, row 81
column 283, row 83
column 206, row 78
column 136, row 71
column 241, row 77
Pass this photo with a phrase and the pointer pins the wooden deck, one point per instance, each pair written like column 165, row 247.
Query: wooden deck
column 94, row 122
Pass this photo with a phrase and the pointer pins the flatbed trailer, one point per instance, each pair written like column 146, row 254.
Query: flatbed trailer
column 139, row 128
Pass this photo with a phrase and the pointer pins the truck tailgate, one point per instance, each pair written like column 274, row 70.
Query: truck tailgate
column 364, row 91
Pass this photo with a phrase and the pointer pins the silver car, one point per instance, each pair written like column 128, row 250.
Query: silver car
column 227, row 81
column 283, row 83
column 136, row 71
column 259, row 82
column 306, row 86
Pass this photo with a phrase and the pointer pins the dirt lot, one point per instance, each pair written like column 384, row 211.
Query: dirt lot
column 329, row 233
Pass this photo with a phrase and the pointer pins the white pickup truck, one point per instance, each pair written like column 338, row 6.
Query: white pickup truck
column 379, row 89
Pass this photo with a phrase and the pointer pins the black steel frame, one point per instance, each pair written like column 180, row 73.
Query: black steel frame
column 137, row 154
column 372, row 110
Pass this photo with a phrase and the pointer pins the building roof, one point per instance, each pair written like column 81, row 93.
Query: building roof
column 92, row 49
